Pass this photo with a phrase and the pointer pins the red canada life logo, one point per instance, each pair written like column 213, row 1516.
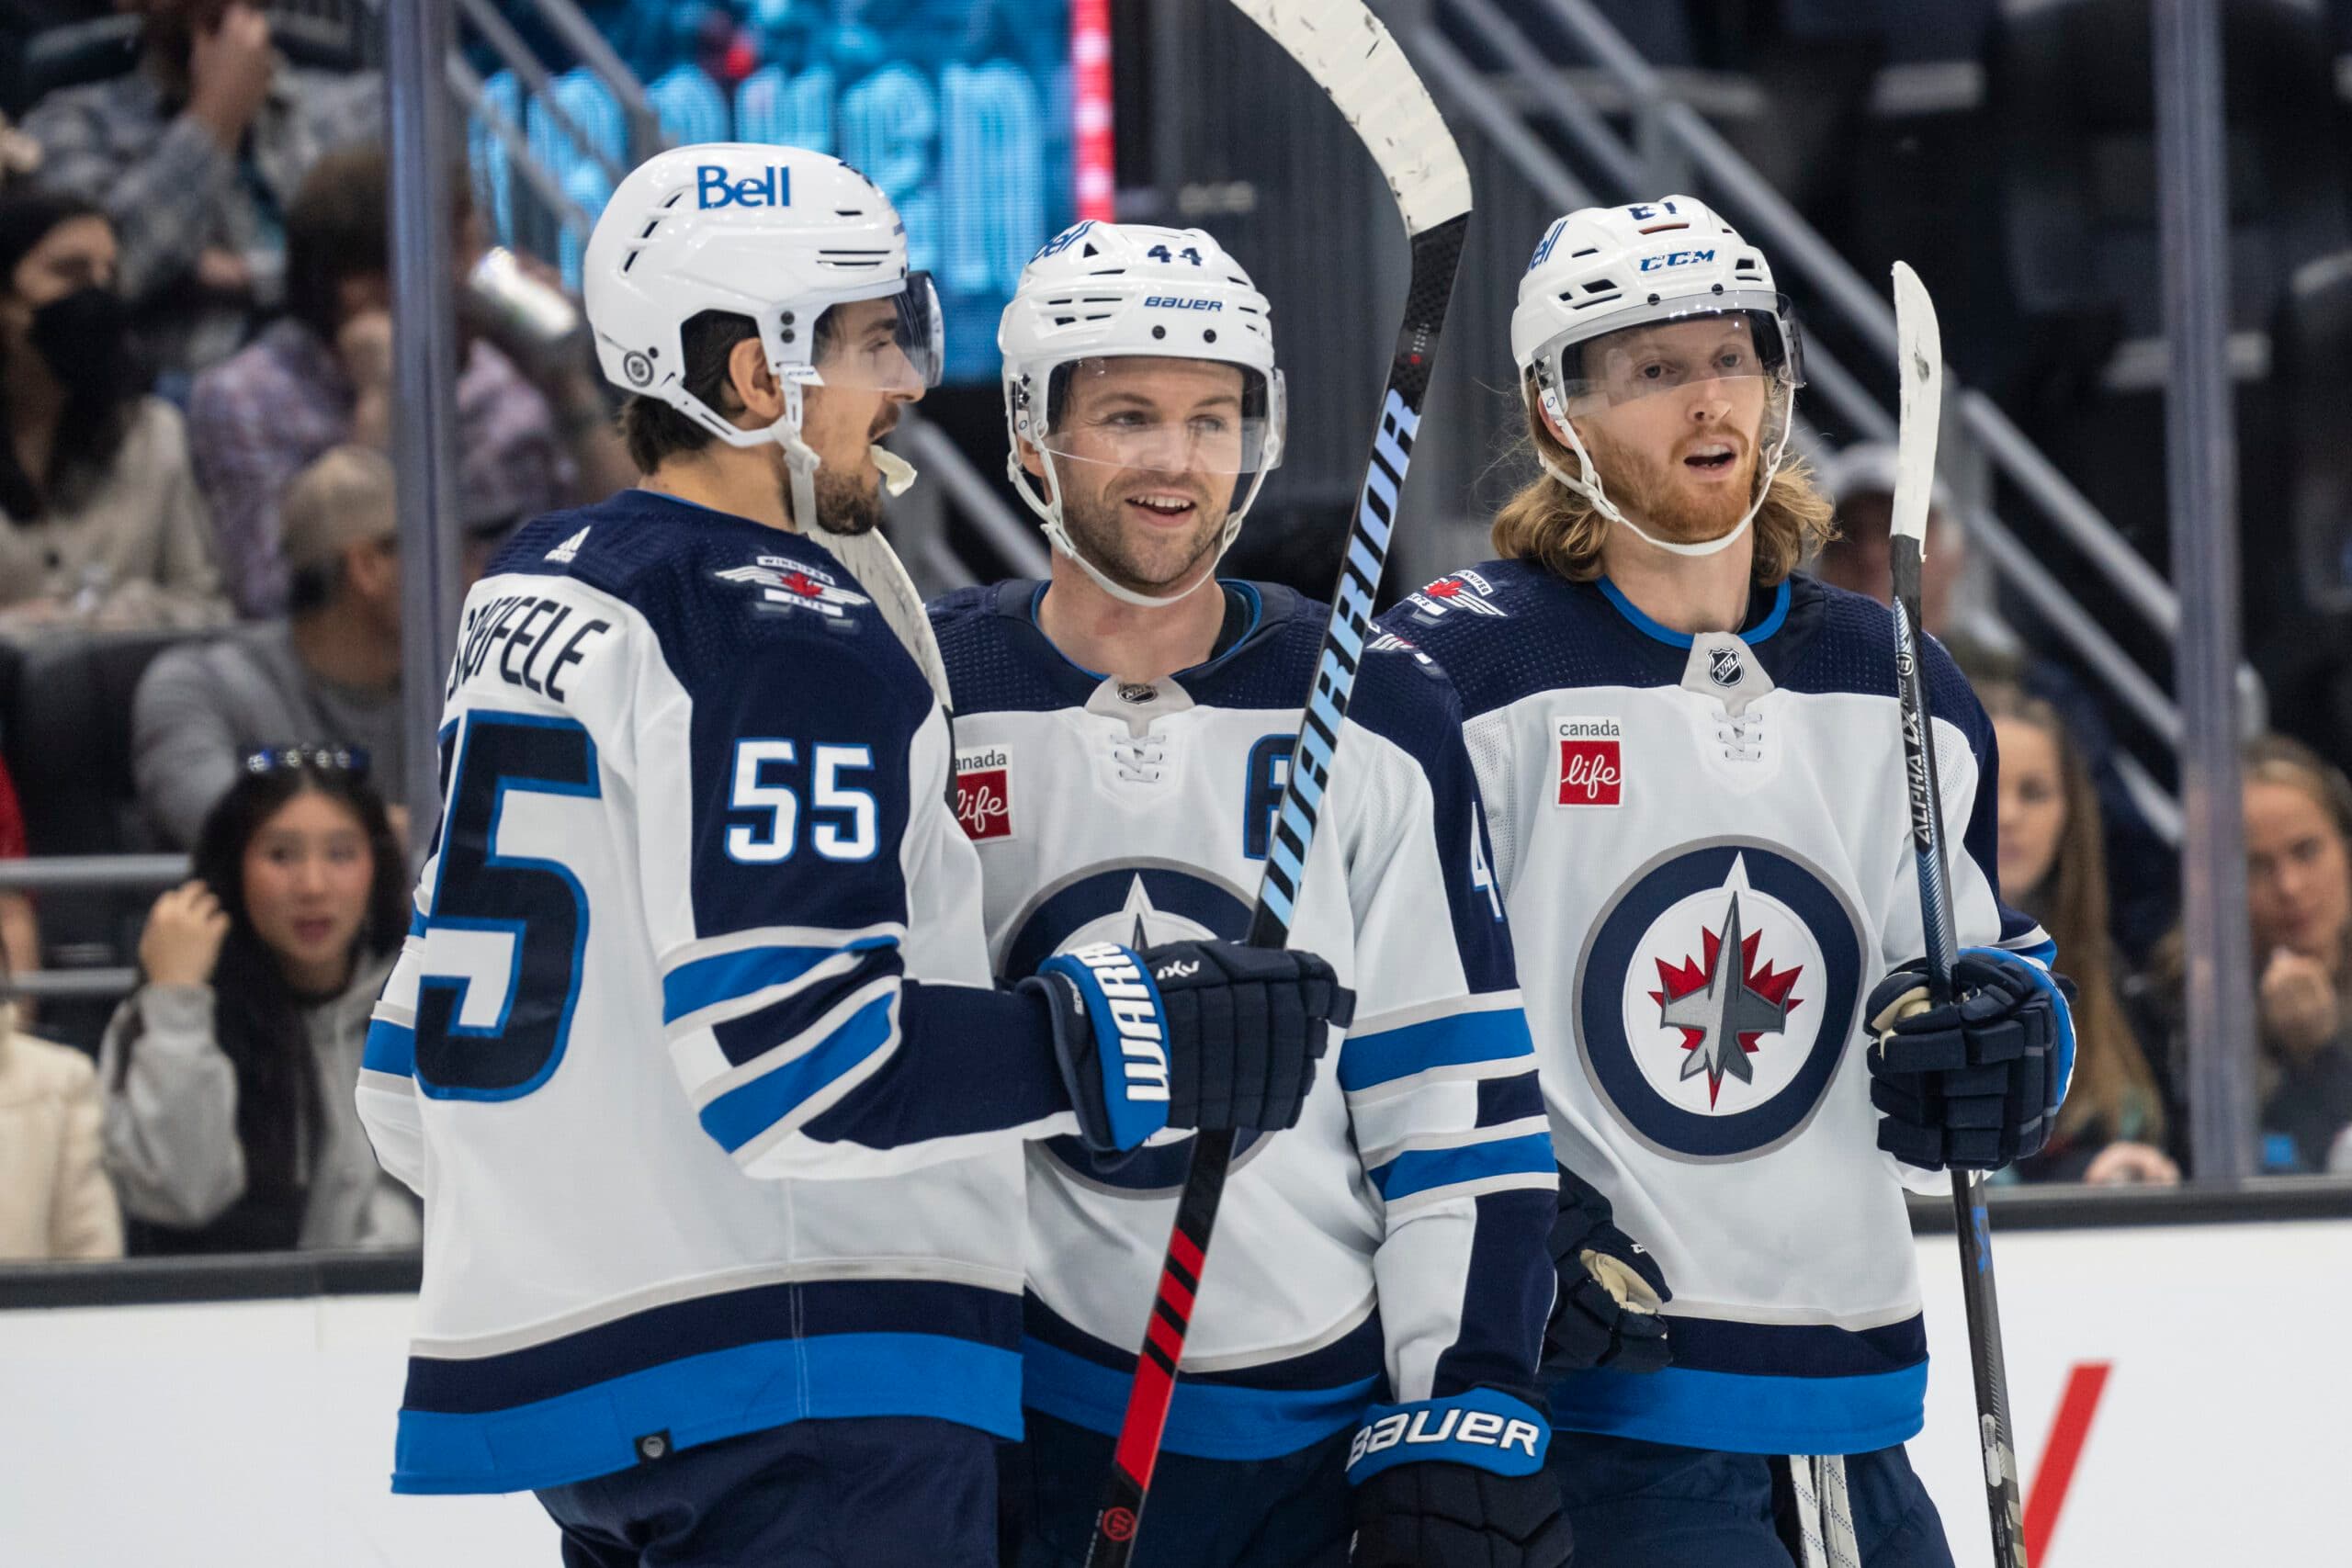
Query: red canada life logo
column 1592, row 763
column 984, row 793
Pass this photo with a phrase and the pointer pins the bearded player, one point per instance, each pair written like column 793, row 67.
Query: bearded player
column 1363, row 1356
column 1690, row 760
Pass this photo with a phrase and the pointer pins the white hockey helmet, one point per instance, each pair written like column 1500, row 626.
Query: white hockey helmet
column 779, row 235
column 1101, row 291
column 1601, row 271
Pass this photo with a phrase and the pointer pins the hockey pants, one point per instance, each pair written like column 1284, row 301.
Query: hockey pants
column 1637, row 1504
column 871, row 1493
column 1290, row 1512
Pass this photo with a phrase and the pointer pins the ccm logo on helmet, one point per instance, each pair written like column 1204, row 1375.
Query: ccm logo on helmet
column 1453, row 1426
column 771, row 187
column 1675, row 258
column 1175, row 302
column 1142, row 1042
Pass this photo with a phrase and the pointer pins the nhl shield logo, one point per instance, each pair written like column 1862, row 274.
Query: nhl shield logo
column 1716, row 993
column 1723, row 667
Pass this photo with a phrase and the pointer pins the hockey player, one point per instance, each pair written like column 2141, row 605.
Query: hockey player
column 1121, row 732
column 1691, row 761
column 697, row 830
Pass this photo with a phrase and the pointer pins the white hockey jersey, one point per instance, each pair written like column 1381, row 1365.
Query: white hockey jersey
column 1702, row 844
column 698, row 913
column 1391, row 1247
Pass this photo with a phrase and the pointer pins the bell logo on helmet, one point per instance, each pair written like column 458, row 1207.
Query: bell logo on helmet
column 1676, row 258
column 771, row 187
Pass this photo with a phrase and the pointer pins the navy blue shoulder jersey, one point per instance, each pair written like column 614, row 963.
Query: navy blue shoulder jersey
column 1708, row 838
column 698, row 912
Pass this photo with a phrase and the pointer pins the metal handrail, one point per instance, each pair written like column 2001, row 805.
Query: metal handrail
column 508, row 45
column 579, row 35
column 1016, row 541
column 82, row 873
column 474, row 94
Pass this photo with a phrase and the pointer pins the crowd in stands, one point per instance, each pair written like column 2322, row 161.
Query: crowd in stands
column 195, row 346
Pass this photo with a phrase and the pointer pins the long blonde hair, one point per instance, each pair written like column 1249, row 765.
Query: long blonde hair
column 2113, row 1084
column 1550, row 523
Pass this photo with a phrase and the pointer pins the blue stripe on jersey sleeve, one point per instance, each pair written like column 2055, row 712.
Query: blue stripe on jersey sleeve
column 743, row 1112
column 1419, row 1170
column 390, row 1048
column 1492, row 1034
column 706, row 982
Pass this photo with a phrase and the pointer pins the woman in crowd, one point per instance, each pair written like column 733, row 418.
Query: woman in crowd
column 229, row 1074
column 100, row 522
column 2114, row 1126
column 54, row 1199
column 2299, row 905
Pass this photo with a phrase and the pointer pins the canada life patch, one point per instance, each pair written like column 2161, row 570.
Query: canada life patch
column 1592, row 761
column 984, row 791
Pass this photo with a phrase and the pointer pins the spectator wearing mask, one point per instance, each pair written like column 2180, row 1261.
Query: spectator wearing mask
column 2053, row 867
column 322, row 377
column 197, row 153
column 2298, row 905
column 100, row 521
column 329, row 673
column 55, row 1201
column 229, row 1073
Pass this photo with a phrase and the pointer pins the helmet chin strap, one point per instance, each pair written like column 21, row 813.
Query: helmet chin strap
column 868, row 556
column 1589, row 487
column 1051, row 511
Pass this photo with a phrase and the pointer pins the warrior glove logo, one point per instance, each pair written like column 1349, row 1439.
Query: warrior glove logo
column 1143, row 1043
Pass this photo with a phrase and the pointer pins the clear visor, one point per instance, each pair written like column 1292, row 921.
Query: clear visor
column 1676, row 352
column 1201, row 418
column 894, row 343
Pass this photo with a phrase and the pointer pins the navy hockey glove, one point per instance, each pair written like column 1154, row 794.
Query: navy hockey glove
column 1456, row 1483
column 1976, row 1083
column 1196, row 1035
column 1611, row 1288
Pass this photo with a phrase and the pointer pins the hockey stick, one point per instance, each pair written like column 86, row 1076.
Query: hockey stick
column 1920, row 348
column 1351, row 57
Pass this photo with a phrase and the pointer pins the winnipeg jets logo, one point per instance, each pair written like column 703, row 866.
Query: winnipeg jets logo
column 793, row 586
column 1723, row 1004
column 1716, row 994
column 1465, row 591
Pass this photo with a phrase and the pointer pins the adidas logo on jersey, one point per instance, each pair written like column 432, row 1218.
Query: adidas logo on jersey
column 565, row 551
